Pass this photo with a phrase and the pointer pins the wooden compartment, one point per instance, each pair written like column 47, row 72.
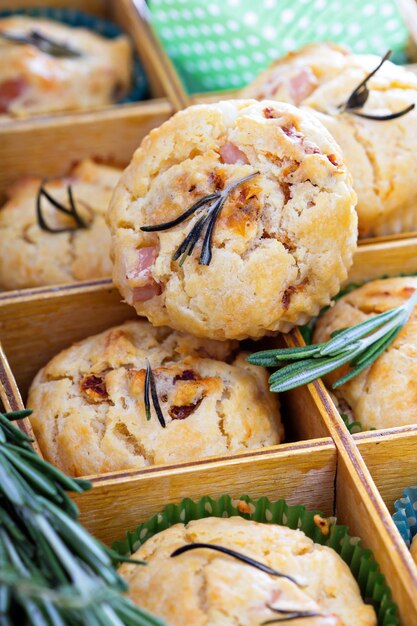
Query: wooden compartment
column 371, row 262
column 302, row 473
column 47, row 146
column 312, row 474
column 42, row 322
column 391, row 458
column 315, row 471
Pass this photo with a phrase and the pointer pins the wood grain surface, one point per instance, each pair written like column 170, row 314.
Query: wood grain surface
column 302, row 473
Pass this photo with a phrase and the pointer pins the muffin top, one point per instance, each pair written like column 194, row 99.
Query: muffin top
column 39, row 78
column 379, row 154
column 273, row 232
column 89, row 409
column 31, row 256
column 383, row 395
column 203, row 587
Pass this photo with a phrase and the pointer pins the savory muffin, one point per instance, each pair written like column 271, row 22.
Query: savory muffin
column 203, row 587
column 379, row 154
column 383, row 395
column 54, row 67
column 89, row 402
column 233, row 219
column 31, row 255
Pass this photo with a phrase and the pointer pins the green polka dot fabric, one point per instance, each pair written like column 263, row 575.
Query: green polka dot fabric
column 224, row 44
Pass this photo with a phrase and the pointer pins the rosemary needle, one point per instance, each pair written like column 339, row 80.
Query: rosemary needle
column 52, row 572
column 360, row 95
column 288, row 615
column 150, row 391
column 213, row 203
column 236, row 555
column 72, row 211
column 359, row 345
column 43, row 43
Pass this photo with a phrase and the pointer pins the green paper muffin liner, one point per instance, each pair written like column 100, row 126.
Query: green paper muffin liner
column 79, row 19
column 360, row 560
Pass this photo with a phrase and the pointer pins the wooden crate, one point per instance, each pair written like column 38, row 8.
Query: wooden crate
column 322, row 466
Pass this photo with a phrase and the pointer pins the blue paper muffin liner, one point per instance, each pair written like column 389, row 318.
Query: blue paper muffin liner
column 405, row 516
column 78, row 19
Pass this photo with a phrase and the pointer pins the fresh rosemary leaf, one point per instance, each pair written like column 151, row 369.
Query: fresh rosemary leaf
column 52, row 572
column 43, row 43
column 359, row 346
column 118, row 558
column 236, row 555
column 263, row 358
column 215, row 203
column 18, row 415
column 367, row 359
column 309, row 372
column 76, row 534
column 13, row 433
column 374, row 348
column 66, row 482
column 11, row 489
column 348, row 335
column 11, row 527
column 281, row 354
column 31, row 474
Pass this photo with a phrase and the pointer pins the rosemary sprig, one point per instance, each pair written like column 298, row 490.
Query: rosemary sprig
column 213, row 204
column 359, row 345
column 360, row 95
column 52, row 572
column 236, row 555
column 151, row 392
column 289, row 615
column 43, row 43
column 72, row 211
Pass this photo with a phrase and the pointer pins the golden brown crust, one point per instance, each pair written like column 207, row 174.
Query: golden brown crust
column 33, row 82
column 88, row 401
column 320, row 77
column 32, row 257
column 384, row 395
column 206, row 588
column 282, row 244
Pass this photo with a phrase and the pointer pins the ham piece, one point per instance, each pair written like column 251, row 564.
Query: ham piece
column 231, row 154
column 301, row 85
column 142, row 294
column 141, row 273
column 9, row 91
